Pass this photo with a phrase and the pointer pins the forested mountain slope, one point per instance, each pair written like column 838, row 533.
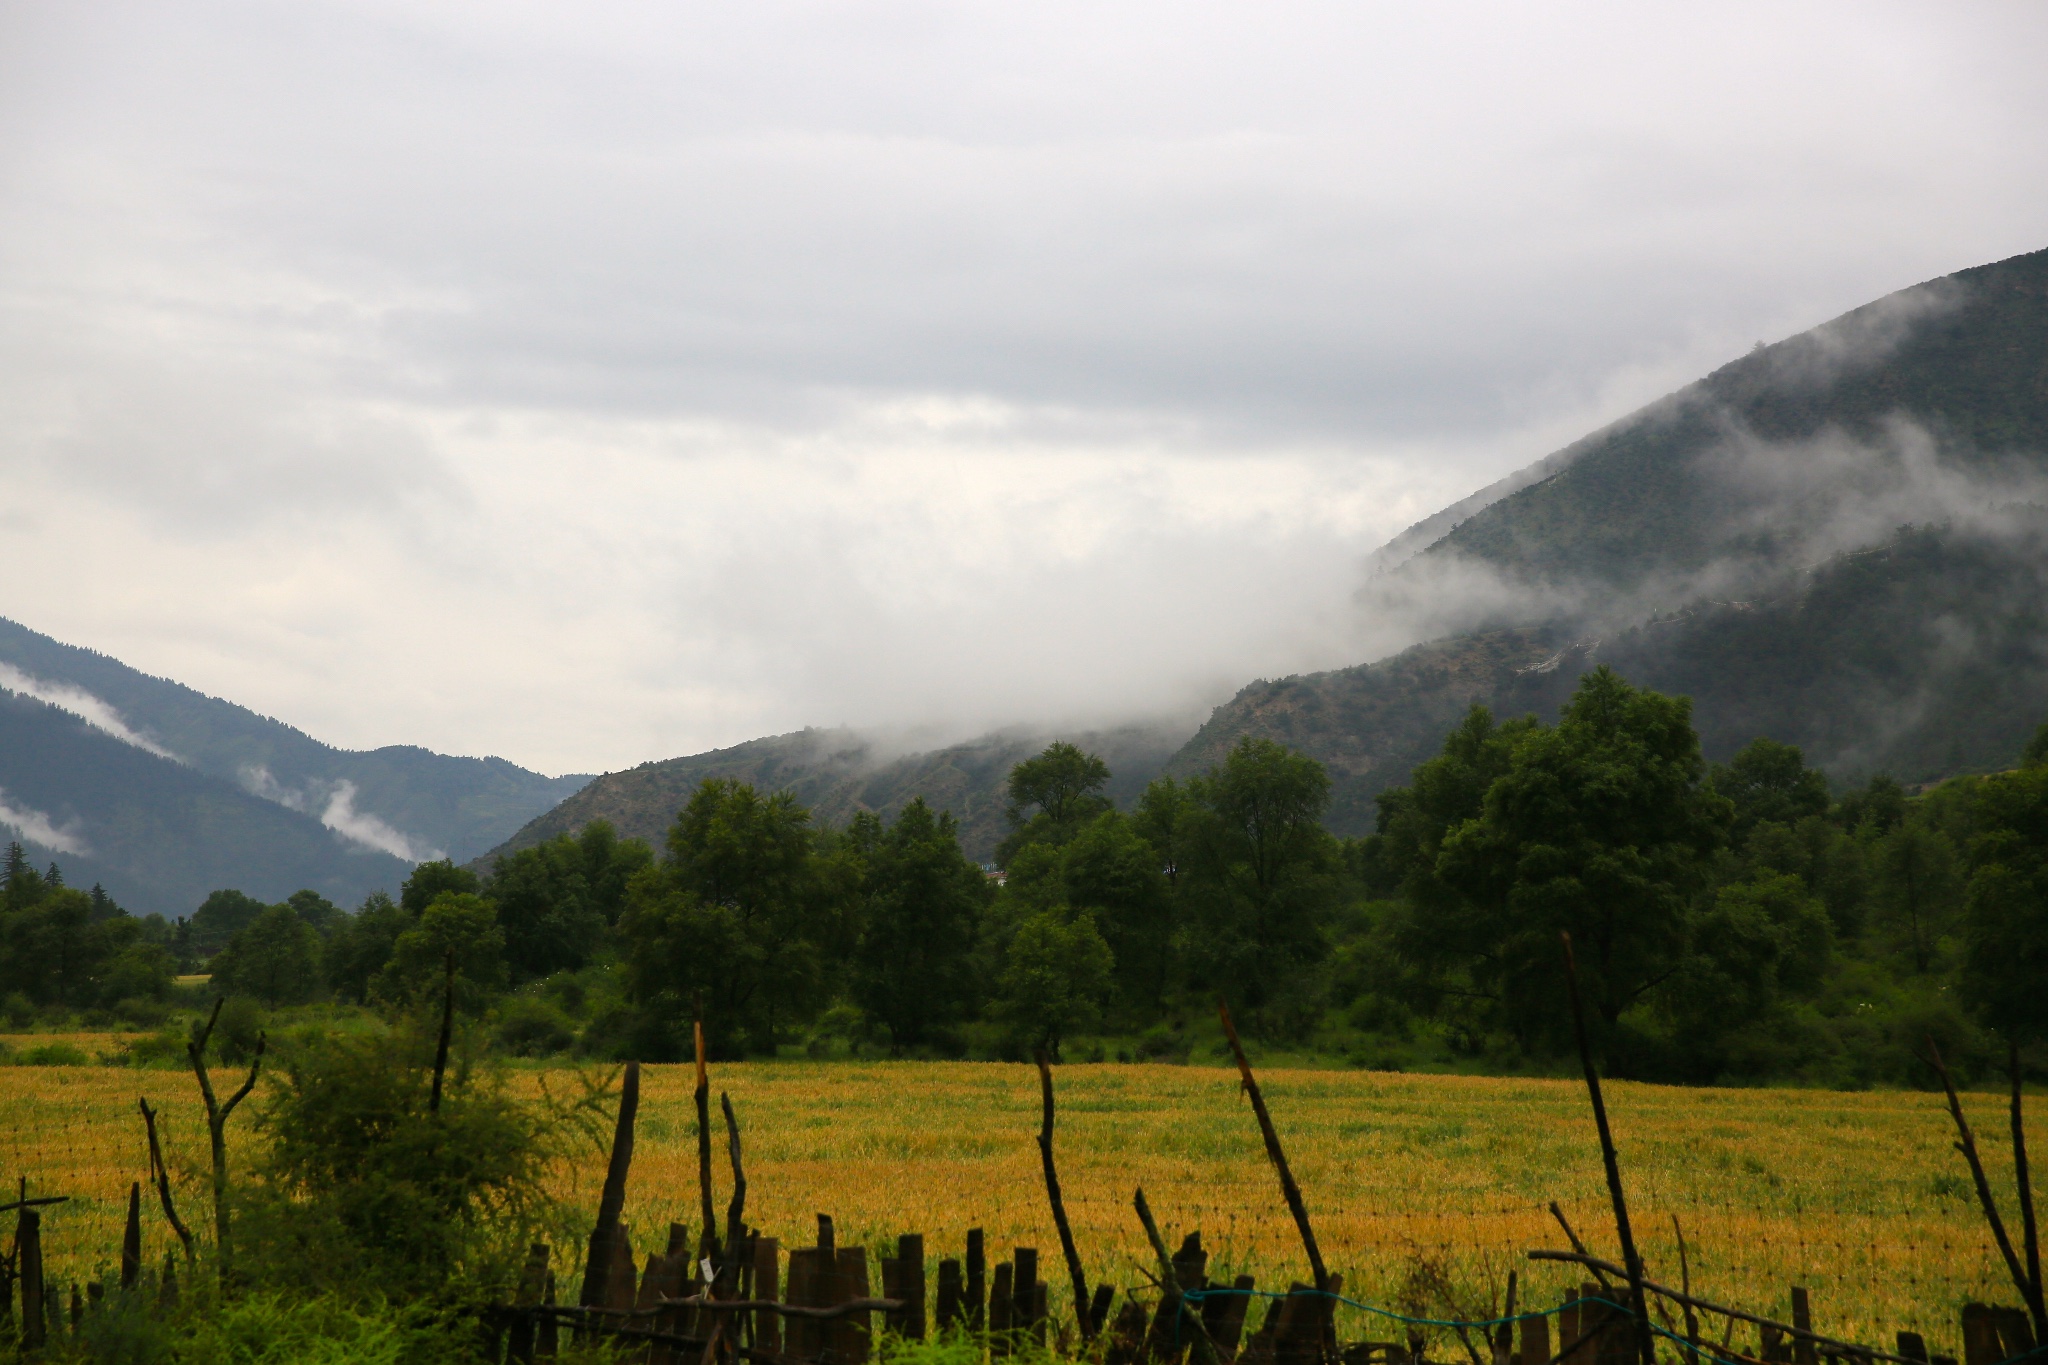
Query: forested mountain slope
column 1895, row 404
column 157, row 835
column 837, row 773
column 1837, row 541
column 405, row 801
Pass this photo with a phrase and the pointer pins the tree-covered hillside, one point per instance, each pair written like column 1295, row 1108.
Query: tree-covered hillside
column 838, row 774
column 1747, row 463
column 158, row 835
column 428, row 802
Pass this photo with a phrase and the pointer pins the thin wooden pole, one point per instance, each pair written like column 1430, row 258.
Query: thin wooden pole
column 1968, row 1147
column 703, row 1097
column 1059, row 1205
column 447, row 1030
column 1638, row 1304
column 1288, row 1188
column 1169, row 1284
column 612, row 1202
column 2030, row 1237
column 1692, row 1321
column 160, row 1176
column 131, row 1238
column 736, row 1211
column 217, row 1116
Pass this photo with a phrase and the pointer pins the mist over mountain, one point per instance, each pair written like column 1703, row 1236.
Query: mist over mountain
column 164, row 793
column 837, row 773
column 1837, row 541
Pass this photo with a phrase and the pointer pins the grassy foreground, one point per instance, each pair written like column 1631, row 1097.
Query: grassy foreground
column 1856, row 1195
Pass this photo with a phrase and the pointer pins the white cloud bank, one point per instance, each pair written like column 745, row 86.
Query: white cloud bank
column 35, row 827
column 335, row 805
column 80, row 703
column 594, row 386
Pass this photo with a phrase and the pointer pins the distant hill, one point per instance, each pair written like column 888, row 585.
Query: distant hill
column 1837, row 541
column 1784, row 455
column 1922, row 657
column 1738, row 541
column 400, row 803
column 838, row 773
column 160, row 835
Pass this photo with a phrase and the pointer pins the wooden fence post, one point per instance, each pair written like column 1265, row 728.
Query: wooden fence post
column 28, row 1255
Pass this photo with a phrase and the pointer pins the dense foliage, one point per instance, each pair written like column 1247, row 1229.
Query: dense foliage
column 1732, row 921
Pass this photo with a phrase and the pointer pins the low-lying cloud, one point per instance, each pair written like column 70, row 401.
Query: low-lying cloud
column 36, row 827
column 334, row 805
column 84, row 705
column 594, row 387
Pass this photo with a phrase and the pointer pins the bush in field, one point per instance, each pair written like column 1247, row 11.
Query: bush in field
column 359, row 1152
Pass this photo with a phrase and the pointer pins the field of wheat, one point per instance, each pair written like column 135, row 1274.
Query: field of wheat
column 1857, row 1196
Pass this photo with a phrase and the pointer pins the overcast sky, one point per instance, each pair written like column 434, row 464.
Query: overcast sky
column 594, row 383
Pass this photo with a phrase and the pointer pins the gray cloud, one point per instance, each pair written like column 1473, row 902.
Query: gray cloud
column 589, row 387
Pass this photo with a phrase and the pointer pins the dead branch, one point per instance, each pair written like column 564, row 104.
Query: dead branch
column 1059, row 1206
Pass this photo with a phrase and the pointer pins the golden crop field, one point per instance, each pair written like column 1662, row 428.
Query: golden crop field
column 1857, row 1196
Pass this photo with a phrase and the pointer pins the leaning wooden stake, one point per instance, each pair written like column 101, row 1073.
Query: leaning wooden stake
column 28, row 1265
column 2029, row 1287
column 703, row 1098
column 1172, row 1304
column 131, row 1238
column 1638, row 1304
column 160, row 1176
column 612, row 1202
column 1692, row 1321
column 447, row 1031
column 217, row 1116
column 2030, row 1237
column 736, row 1211
column 1288, row 1188
column 1059, row 1205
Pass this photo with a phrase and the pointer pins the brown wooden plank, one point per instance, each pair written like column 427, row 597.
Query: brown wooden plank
column 1802, row 1318
column 768, row 1286
column 1002, row 1304
column 850, row 1336
column 1536, row 1341
column 977, row 1281
column 910, row 1257
column 952, row 1301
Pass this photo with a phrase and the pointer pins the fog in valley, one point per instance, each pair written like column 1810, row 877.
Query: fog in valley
column 599, row 386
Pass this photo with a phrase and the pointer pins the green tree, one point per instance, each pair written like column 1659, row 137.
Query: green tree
column 1919, row 888
column 1603, row 825
column 1057, row 977
column 361, row 946
column 457, row 922
column 1260, row 875
column 1761, row 943
column 2005, row 917
column 1114, row 873
column 430, row 880
column 20, row 884
column 558, row 900
column 733, row 916
column 1767, row 780
column 913, row 971
column 1052, row 796
column 275, row 958
column 219, row 918
column 317, row 912
column 1161, row 820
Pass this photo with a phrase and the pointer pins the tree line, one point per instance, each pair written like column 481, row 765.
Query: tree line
column 1732, row 921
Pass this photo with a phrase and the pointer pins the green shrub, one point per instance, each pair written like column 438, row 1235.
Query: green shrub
column 533, row 1028
column 53, row 1054
column 361, row 1169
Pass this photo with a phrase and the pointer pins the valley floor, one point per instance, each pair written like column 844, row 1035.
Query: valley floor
column 1856, row 1195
